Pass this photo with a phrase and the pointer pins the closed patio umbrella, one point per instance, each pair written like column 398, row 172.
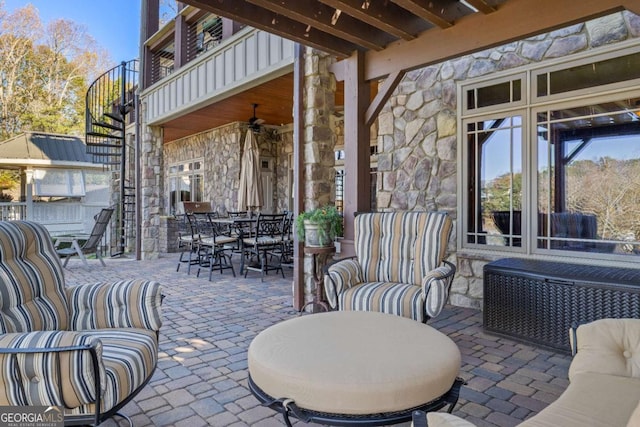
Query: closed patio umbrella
column 250, row 192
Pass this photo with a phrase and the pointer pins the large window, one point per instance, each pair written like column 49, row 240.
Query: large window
column 186, row 184
column 555, row 168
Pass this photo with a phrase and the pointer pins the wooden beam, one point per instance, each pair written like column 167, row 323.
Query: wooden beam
column 386, row 16
column 434, row 11
column 321, row 16
column 514, row 20
column 384, row 92
column 258, row 17
column 482, row 6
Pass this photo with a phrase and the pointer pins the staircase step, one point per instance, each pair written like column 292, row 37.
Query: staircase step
column 115, row 117
column 103, row 135
column 103, row 145
column 107, row 125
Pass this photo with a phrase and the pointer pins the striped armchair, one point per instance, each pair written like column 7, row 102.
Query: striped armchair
column 87, row 349
column 399, row 267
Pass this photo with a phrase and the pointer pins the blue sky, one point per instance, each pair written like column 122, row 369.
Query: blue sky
column 114, row 24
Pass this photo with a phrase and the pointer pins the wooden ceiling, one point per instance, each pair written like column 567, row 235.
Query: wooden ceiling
column 275, row 107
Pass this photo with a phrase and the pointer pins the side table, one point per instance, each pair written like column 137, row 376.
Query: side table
column 319, row 256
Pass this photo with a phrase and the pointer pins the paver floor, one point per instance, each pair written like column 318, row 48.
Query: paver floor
column 201, row 379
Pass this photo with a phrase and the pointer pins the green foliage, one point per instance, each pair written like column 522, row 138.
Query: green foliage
column 45, row 73
column 8, row 179
column 323, row 215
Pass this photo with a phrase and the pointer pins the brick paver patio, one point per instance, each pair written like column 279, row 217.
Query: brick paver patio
column 201, row 378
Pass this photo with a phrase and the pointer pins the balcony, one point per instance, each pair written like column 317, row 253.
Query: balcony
column 220, row 69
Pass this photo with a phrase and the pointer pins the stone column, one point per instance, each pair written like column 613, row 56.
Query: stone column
column 151, row 185
column 319, row 141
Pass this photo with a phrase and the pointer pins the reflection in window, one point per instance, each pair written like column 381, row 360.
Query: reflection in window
column 495, row 181
column 589, row 178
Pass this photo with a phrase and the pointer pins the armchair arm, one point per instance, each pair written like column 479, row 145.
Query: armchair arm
column 339, row 276
column 51, row 368
column 435, row 288
column 122, row 304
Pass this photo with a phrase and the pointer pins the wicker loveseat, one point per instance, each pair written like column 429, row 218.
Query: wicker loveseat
column 604, row 389
column 399, row 267
column 88, row 349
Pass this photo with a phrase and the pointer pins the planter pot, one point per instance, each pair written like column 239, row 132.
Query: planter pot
column 317, row 234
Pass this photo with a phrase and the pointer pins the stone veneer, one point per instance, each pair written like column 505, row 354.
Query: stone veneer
column 319, row 142
column 417, row 142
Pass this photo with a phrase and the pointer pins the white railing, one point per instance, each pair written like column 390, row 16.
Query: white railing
column 59, row 218
column 12, row 211
column 247, row 59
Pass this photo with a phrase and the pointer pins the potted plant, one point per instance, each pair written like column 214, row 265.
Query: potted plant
column 319, row 227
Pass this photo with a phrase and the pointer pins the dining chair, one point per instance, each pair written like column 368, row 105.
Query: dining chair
column 188, row 238
column 266, row 239
column 214, row 247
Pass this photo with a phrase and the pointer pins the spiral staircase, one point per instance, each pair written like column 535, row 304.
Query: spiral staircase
column 111, row 103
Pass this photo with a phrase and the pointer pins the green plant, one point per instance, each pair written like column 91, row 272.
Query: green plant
column 326, row 215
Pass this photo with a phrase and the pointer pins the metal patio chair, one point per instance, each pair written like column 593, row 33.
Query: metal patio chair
column 91, row 242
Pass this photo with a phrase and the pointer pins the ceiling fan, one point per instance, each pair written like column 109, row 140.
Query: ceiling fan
column 254, row 122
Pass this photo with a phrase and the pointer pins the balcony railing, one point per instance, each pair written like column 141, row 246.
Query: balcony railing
column 243, row 60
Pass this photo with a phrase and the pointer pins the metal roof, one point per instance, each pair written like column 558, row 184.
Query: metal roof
column 39, row 148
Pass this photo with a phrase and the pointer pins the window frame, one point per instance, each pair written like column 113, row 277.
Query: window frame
column 178, row 170
column 529, row 105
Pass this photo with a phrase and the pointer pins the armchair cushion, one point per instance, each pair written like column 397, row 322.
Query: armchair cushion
column 31, row 280
column 122, row 304
column 71, row 369
column 400, row 299
column 129, row 357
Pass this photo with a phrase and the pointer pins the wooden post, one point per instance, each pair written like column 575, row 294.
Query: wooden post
column 298, row 172
column 357, row 184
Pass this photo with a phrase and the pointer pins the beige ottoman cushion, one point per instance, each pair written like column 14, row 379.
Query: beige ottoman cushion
column 353, row 362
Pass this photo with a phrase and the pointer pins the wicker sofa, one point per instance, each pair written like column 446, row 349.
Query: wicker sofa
column 87, row 349
column 604, row 389
column 399, row 267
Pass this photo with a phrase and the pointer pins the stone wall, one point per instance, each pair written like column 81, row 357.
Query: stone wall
column 417, row 128
column 220, row 150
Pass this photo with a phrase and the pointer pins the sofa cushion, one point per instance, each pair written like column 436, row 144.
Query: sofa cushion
column 591, row 400
column 634, row 420
column 32, row 294
column 608, row 346
column 392, row 298
column 129, row 356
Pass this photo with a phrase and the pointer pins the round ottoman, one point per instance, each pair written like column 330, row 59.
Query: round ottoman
column 352, row 366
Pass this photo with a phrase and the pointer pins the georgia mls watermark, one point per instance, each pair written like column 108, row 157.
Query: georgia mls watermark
column 31, row 416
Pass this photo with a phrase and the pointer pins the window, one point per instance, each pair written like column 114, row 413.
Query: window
column 186, row 184
column 556, row 168
column 58, row 183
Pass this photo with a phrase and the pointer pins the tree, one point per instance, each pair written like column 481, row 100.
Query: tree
column 44, row 73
